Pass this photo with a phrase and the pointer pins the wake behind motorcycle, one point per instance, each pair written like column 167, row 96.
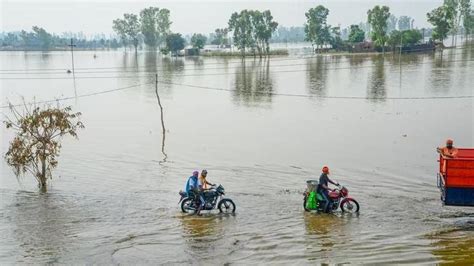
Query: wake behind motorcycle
column 213, row 198
column 338, row 198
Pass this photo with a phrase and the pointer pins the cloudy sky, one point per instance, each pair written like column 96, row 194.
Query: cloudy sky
column 92, row 17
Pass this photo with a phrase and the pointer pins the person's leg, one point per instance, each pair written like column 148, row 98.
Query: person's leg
column 326, row 199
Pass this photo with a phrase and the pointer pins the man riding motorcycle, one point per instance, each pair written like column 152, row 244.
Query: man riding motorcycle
column 194, row 187
column 323, row 188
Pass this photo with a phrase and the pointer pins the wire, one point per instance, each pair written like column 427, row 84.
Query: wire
column 261, row 93
column 79, row 96
column 322, row 97
column 214, row 74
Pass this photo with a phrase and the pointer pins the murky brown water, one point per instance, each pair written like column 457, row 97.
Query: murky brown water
column 114, row 200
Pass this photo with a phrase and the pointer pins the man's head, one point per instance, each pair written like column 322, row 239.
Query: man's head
column 325, row 169
column 204, row 173
column 195, row 173
column 449, row 143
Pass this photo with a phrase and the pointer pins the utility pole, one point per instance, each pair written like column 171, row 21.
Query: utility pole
column 72, row 45
column 162, row 119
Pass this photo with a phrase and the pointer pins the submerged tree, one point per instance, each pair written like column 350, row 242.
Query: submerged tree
column 356, row 34
column 252, row 30
column 440, row 19
column 198, row 40
column 128, row 29
column 37, row 143
column 377, row 18
column 316, row 28
column 221, row 37
column 174, row 43
column 155, row 25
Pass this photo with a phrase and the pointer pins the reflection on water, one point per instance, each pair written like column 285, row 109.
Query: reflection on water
column 43, row 225
column 317, row 75
column 253, row 82
column 376, row 84
column 454, row 246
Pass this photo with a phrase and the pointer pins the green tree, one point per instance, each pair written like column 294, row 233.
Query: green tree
column 198, row 41
column 43, row 38
column 377, row 18
column 241, row 26
column 404, row 23
column 467, row 15
column 440, row 18
column 175, row 43
column 128, row 29
column 263, row 27
column 132, row 29
column 119, row 26
column 336, row 40
column 468, row 24
column 221, row 37
column 36, row 146
column 404, row 38
column 356, row 34
column 155, row 25
column 391, row 23
column 316, row 28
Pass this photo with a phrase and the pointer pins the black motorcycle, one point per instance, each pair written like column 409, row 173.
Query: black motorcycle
column 212, row 198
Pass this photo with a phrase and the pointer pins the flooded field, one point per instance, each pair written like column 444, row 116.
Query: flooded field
column 261, row 128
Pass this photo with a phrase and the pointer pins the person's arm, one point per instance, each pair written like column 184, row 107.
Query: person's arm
column 332, row 182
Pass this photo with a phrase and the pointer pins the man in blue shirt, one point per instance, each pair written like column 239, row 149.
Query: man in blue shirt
column 323, row 187
column 194, row 187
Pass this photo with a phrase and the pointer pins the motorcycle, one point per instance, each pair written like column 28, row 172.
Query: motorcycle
column 213, row 198
column 339, row 198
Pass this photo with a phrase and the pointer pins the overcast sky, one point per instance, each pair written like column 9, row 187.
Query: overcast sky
column 190, row 16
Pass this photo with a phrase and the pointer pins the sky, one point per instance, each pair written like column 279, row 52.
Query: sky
column 190, row 16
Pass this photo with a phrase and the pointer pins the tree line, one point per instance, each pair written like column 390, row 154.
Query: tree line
column 39, row 39
column 252, row 31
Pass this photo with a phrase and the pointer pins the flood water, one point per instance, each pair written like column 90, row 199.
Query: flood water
column 261, row 128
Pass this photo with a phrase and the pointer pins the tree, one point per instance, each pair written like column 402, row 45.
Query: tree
column 316, row 28
column 404, row 38
column 241, row 26
column 377, row 18
column 468, row 23
column 155, row 25
column 467, row 16
column 43, row 38
column 392, row 23
column 128, row 29
column 356, row 34
column 263, row 27
column 174, row 43
column 37, row 143
column 198, row 41
column 458, row 10
column 336, row 40
column 440, row 18
column 221, row 37
column 119, row 26
column 132, row 29
column 404, row 23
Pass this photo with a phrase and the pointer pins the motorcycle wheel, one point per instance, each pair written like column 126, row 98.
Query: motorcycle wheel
column 226, row 206
column 350, row 206
column 187, row 206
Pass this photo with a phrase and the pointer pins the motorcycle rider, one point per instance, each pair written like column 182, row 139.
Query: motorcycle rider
column 203, row 180
column 323, row 188
column 194, row 187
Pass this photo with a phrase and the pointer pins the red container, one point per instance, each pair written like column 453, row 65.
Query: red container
column 456, row 179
